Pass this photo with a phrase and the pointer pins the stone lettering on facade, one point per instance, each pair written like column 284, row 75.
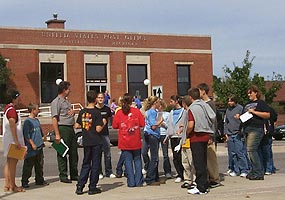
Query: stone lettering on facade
column 84, row 38
column 55, row 35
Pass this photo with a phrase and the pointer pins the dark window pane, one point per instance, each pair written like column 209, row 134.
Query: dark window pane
column 49, row 73
column 136, row 76
column 183, row 88
column 137, row 73
column 96, row 71
column 183, row 79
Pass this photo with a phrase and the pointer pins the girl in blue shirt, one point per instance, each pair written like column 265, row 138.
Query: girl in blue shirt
column 151, row 139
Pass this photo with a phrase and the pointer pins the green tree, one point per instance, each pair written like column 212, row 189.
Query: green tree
column 4, row 78
column 237, row 81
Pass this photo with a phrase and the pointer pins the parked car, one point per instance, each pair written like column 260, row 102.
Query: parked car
column 279, row 132
column 113, row 134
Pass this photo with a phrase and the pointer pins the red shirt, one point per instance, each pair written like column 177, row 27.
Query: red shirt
column 12, row 113
column 197, row 136
column 129, row 137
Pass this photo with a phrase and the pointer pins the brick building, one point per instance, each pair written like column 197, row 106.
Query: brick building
column 114, row 61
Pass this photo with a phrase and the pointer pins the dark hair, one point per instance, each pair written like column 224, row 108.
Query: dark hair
column 233, row 98
column 254, row 88
column 91, row 96
column 203, row 86
column 186, row 100
column 12, row 94
column 32, row 106
column 64, row 85
column 177, row 98
column 194, row 93
column 126, row 103
column 101, row 93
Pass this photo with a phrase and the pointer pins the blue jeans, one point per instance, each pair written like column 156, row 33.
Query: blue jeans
column 91, row 162
column 253, row 139
column 164, row 148
column 133, row 165
column 152, row 172
column 266, row 154
column 107, row 155
column 121, row 161
column 236, row 152
column 145, row 149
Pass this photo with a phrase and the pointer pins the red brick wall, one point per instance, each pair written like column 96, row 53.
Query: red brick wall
column 118, row 70
column 75, row 75
column 163, row 70
column 24, row 64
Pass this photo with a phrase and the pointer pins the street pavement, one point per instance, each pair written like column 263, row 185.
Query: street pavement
column 233, row 187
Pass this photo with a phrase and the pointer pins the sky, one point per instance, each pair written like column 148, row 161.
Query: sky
column 234, row 26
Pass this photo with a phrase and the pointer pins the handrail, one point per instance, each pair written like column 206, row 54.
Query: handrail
column 45, row 111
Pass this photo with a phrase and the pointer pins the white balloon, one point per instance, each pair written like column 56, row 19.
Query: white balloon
column 58, row 81
column 146, row 82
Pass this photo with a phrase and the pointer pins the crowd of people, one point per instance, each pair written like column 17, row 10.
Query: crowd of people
column 189, row 129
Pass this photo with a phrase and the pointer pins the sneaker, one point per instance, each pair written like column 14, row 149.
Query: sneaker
column 185, row 185
column 157, row 183
column 215, row 184
column 65, row 180
column 178, row 180
column 192, row 185
column 267, row 173
column 25, row 185
column 195, row 191
column 168, row 175
column 232, row 174
column 243, row 175
column 256, row 178
column 112, row 176
column 94, row 191
column 144, row 171
column 44, row 183
column 79, row 190
column 101, row 176
column 162, row 180
column 229, row 171
column 118, row 175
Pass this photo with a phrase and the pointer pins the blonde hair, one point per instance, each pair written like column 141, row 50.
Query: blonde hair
column 163, row 104
column 120, row 101
column 148, row 102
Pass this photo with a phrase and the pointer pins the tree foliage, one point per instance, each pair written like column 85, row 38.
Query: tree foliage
column 4, row 71
column 237, row 81
column 4, row 78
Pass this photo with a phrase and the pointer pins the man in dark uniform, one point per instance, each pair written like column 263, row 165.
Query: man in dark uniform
column 63, row 121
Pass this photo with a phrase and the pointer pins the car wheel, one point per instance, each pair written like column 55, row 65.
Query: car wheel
column 278, row 137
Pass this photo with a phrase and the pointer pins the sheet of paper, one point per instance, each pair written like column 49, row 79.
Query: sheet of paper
column 245, row 117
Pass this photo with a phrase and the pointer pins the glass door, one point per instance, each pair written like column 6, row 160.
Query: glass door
column 49, row 73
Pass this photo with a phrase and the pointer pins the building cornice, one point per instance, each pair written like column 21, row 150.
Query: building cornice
column 102, row 49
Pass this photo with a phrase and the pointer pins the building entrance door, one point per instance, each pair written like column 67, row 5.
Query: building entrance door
column 49, row 73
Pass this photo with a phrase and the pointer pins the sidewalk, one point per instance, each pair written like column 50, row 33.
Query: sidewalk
column 234, row 188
